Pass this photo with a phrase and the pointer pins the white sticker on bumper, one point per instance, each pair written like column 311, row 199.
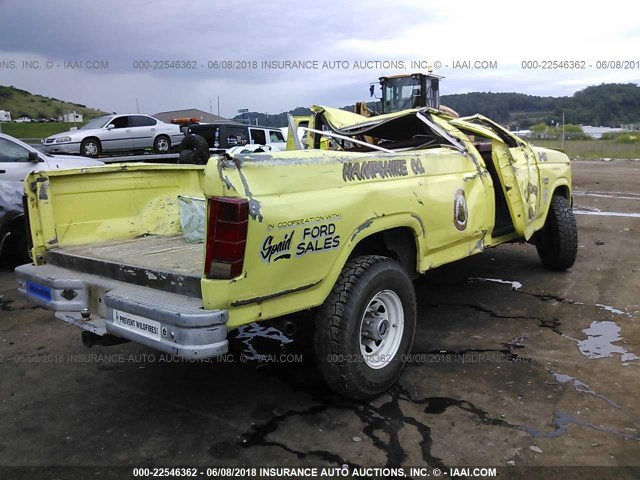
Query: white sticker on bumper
column 137, row 324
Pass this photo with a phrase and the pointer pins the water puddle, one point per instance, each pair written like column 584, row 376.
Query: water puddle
column 617, row 195
column 563, row 419
column 599, row 213
column 599, row 343
column 581, row 387
column 514, row 285
column 438, row 405
column 255, row 338
column 611, row 309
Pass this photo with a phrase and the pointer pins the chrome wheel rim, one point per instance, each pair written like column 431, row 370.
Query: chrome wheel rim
column 163, row 145
column 381, row 329
column 91, row 148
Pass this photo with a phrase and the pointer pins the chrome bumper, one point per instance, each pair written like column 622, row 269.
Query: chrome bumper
column 174, row 324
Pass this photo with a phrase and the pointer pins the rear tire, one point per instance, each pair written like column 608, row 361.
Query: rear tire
column 16, row 246
column 557, row 242
column 161, row 144
column 198, row 147
column 365, row 328
column 186, row 157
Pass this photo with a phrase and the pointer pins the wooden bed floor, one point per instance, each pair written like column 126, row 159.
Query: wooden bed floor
column 154, row 252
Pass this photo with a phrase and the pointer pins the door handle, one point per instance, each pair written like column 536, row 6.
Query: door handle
column 3, row 171
column 153, row 129
column 128, row 131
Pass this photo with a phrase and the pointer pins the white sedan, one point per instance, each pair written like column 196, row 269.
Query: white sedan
column 17, row 160
column 116, row 133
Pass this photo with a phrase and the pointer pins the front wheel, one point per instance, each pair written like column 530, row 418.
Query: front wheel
column 90, row 147
column 557, row 242
column 365, row 328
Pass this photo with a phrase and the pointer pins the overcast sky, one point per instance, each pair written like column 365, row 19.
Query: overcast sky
column 125, row 34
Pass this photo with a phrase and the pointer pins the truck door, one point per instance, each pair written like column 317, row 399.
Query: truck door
column 257, row 136
column 518, row 172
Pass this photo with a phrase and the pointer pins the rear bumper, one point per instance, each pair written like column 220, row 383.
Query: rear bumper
column 174, row 324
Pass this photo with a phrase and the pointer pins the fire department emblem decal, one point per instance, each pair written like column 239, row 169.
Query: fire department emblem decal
column 460, row 210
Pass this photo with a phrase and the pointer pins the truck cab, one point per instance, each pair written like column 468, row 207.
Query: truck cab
column 402, row 92
column 223, row 136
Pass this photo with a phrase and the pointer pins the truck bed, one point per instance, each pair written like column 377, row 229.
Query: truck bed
column 166, row 263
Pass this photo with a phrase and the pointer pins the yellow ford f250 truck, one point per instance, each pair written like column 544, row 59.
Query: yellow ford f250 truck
column 337, row 229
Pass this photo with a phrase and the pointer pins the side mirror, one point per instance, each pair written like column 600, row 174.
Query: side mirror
column 111, row 126
column 372, row 89
column 33, row 156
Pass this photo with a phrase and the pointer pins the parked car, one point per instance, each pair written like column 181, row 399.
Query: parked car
column 203, row 139
column 244, row 149
column 17, row 160
column 116, row 133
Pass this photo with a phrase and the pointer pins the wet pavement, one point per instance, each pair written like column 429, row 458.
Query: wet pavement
column 512, row 365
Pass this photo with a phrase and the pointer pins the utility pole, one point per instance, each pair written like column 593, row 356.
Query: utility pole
column 562, row 130
column 218, row 105
column 137, row 105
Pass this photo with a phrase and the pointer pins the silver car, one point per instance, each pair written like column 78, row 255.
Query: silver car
column 116, row 133
column 17, row 160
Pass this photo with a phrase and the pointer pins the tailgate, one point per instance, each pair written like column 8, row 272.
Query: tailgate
column 107, row 203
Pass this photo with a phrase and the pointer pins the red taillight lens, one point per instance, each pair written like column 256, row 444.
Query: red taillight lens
column 226, row 236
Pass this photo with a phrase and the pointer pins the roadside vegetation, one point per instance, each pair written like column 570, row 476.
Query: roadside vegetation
column 590, row 149
column 36, row 130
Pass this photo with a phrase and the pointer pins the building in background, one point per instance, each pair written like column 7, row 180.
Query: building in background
column 5, row 116
column 597, row 132
column 71, row 117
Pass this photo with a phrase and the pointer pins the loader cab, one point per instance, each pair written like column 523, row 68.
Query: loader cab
column 402, row 92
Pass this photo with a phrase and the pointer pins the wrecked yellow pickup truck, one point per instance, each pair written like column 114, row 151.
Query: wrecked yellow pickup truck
column 337, row 232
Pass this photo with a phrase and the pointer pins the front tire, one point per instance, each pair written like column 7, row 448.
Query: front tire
column 365, row 328
column 557, row 242
column 90, row 147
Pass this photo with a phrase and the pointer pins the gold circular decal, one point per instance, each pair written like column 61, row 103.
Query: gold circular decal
column 460, row 210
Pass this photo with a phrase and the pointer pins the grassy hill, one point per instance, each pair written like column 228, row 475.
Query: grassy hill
column 36, row 130
column 22, row 103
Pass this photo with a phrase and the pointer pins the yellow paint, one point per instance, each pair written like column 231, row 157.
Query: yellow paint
column 311, row 203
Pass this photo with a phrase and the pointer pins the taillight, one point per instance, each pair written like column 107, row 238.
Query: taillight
column 226, row 236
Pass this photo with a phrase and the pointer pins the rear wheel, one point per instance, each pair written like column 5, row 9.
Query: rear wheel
column 557, row 242
column 365, row 328
column 161, row 144
column 16, row 245
column 90, row 147
column 185, row 157
column 198, row 147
